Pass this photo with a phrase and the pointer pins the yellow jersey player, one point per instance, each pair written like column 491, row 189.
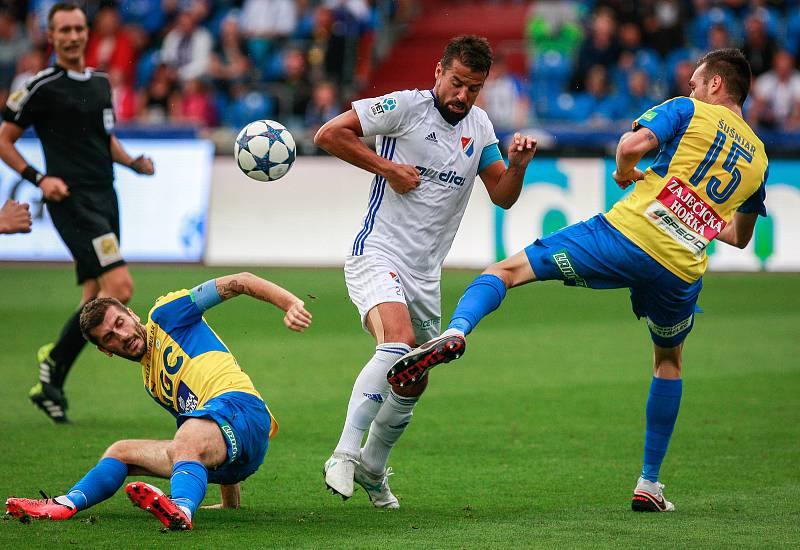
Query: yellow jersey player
column 707, row 182
column 224, row 426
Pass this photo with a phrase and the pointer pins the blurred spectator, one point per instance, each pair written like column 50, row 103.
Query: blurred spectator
column 719, row 37
column 592, row 106
column 503, row 97
column 296, row 83
column 28, row 65
column 663, row 25
column 627, row 104
column 123, row 96
column 601, row 47
column 156, row 101
column 323, row 107
column 36, row 21
column 145, row 14
column 633, row 54
column 109, row 46
column 680, row 79
column 246, row 106
column 13, row 44
column 357, row 9
column 706, row 17
column 187, row 47
column 554, row 26
column 268, row 18
column 194, row 105
column 759, row 48
column 776, row 95
column 229, row 62
column 305, row 19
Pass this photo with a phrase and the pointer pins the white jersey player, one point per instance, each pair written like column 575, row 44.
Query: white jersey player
column 431, row 144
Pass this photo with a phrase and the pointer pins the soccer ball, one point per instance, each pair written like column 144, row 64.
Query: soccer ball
column 264, row 150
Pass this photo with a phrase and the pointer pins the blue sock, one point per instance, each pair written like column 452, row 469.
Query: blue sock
column 481, row 298
column 99, row 483
column 188, row 484
column 662, row 412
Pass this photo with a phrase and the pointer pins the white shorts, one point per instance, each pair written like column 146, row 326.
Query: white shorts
column 373, row 280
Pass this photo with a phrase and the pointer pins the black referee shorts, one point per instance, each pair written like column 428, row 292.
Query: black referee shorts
column 88, row 223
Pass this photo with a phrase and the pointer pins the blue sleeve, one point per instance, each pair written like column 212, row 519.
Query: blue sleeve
column 205, row 296
column 755, row 202
column 176, row 310
column 489, row 155
column 667, row 120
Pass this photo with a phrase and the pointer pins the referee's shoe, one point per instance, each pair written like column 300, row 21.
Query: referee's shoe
column 46, row 395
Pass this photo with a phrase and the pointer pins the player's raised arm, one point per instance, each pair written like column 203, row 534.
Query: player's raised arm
column 631, row 148
column 504, row 183
column 341, row 137
column 230, row 286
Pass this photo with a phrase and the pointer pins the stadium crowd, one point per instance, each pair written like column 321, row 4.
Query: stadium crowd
column 223, row 63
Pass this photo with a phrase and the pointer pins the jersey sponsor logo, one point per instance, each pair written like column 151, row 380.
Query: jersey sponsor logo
column 16, row 99
column 228, row 431
column 378, row 398
column 432, row 137
column 649, row 115
column 187, row 401
column 426, row 324
column 468, row 145
column 106, row 247
column 431, row 174
column 685, row 217
column 389, row 103
column 108, row 119
column 564, row 264
column 669, row 332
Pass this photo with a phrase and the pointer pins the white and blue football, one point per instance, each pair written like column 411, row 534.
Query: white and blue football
column 264, row 150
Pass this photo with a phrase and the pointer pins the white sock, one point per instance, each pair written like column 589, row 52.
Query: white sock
column 65, row 500
column 369, row 392
column 453, row 332
column 386, row 429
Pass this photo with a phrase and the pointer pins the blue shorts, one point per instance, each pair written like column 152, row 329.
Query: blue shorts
column 594, row 254
column 244, row 422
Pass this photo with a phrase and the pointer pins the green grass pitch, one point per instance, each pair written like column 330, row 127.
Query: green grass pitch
column 533, row 439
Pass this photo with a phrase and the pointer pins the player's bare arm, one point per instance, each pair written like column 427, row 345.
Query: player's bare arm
column 630, row 150
column 230, row 496
column 341, row 137
column 296, row 318
column 140, row 165
column 54, row 189
column 15, row 217
column 739, row 231
column 504, row 184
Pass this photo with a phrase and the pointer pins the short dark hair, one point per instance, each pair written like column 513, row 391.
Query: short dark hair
column 732, row 66
column 474, row 52
column 93, row 313
column 61, row 6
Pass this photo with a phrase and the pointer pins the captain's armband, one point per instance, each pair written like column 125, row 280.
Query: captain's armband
column 205, row 295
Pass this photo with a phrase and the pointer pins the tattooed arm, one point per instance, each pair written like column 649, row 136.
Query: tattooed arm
column 230, row 286
column 630, row 150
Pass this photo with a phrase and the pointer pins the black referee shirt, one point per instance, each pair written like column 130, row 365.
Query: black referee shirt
column 73, row 117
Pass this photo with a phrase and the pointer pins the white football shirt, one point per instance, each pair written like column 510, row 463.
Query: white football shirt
column 418, row 227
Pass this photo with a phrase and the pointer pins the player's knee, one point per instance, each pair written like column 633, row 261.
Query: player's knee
column 502, row 273
column 118, row 450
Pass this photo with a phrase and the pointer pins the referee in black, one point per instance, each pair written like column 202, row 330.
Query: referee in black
column 70, row 108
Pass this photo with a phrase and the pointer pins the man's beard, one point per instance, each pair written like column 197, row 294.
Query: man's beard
column 450, row 116
column 141, row 333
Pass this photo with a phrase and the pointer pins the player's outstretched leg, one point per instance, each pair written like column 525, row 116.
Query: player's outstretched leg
column 481, row 298
column 152, row 499
column 97, row 485
column 370, row 390
column 48, row 394
column 188, row 485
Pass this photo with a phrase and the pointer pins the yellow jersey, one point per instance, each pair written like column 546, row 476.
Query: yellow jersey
column 710, row 164
column 186, row 364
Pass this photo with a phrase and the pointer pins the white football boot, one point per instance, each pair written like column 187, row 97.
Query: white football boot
column 377, row 487
column 649, row 497
column 339, row 471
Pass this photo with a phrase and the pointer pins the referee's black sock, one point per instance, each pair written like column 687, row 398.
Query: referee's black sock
column 68, row 347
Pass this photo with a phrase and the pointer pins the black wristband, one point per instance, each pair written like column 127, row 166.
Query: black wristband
column 32, row 174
